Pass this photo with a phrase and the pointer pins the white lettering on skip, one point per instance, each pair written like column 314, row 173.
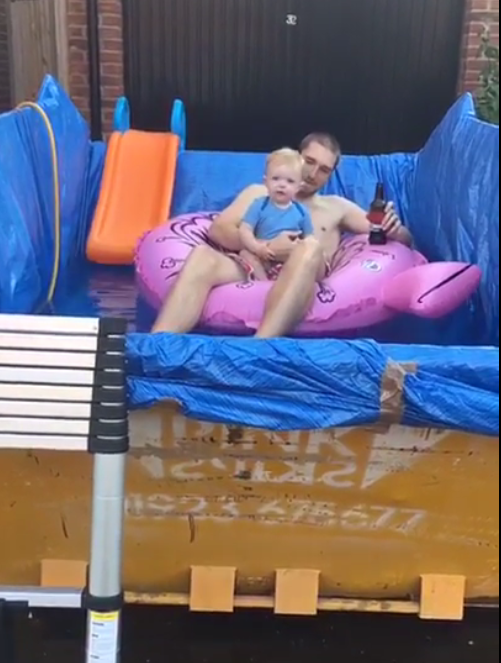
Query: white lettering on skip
column 295, row 511
column 393, row 452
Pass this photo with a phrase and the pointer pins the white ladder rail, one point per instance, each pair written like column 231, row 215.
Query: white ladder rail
column 63, row 388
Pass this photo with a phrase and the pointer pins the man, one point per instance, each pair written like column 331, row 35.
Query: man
column 305, row 259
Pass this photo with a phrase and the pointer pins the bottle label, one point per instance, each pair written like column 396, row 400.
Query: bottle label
column 376, row 218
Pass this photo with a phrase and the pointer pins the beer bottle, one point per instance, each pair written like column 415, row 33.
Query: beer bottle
column 376, row 216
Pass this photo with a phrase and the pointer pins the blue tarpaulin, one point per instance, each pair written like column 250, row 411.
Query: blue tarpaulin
column 454, row 210
column 27, row 196
column 288, row 384
column 448, row 194
column 212, row 180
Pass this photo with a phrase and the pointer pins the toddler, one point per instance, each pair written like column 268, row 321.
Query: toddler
column 273, row 214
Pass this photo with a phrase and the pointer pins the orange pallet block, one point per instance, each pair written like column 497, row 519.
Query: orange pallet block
column 136, row 194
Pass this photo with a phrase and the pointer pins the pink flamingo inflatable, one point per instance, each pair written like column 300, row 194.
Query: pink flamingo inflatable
column 368, row 285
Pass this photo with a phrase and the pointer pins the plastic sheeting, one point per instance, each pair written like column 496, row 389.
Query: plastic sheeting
column 212, row 180
column 454, row 210
column 286, row 384
column 27, row 197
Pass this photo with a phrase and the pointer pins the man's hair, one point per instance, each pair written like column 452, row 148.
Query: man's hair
column 326, row 140
column 285, row 156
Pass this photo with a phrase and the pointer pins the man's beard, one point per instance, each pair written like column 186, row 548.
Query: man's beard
column 307, row 190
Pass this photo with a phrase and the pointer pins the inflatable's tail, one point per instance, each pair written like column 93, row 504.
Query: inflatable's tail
column 433, row 290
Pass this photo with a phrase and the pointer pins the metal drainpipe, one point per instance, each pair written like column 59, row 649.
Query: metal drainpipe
column 94, row 69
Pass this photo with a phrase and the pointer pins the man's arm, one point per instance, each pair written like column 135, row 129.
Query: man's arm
column 225, row 229
column 355, row 221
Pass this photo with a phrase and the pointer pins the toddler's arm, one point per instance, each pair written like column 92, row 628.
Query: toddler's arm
column 248, row 232
column 254, row 245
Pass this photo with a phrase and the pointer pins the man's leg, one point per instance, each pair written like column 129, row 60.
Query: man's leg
column 293, row 293
column 204, row 270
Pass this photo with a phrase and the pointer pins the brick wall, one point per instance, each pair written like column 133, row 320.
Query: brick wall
column 4, row 59
column 479, row 14
column 112, row 74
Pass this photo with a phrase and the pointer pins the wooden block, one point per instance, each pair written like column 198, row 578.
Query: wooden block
column 297, row 592
column 63, row 574
column 443, row 597
column 212, row 589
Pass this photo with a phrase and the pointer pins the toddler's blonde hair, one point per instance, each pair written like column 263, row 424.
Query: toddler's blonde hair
column 286, row 156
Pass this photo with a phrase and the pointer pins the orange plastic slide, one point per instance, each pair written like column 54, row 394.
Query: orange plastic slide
column 136, row 194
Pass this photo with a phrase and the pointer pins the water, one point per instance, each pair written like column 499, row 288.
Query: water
column 100, row 291
column 156, row 635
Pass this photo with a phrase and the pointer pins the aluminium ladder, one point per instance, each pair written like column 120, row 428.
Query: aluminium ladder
column 63, row 388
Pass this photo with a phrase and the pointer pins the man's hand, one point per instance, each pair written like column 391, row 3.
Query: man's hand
column 392, row 224
column 355, row 221
column 284, row 244
column 394, row 228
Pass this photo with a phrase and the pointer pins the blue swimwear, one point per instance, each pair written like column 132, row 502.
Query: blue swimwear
column 268, row 220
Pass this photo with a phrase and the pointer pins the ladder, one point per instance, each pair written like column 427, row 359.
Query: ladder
column 63, row 388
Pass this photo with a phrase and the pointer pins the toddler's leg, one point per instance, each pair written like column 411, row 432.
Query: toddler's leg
column 256, row 265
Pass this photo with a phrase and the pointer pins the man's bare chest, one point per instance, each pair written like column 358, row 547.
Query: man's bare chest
column 326, row 221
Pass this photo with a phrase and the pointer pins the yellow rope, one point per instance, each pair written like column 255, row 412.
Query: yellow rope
column 57, row 200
